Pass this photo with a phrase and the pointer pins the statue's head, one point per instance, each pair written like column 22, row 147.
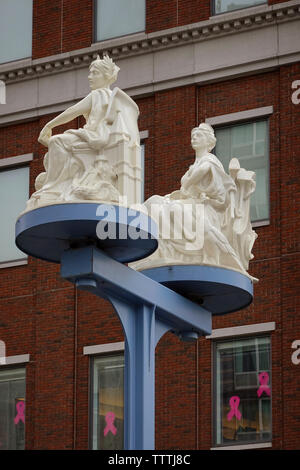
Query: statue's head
column 203, row 136
column 103, row 72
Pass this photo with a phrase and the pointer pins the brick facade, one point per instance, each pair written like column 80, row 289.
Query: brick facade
column 49, row 319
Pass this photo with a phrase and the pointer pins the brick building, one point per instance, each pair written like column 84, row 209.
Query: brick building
column 234, row 64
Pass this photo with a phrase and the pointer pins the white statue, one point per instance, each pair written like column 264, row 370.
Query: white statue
column 208, row 217
column 101, row 161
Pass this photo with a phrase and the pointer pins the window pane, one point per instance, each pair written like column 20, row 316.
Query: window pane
column 15, row 29
column 249, row 143
column 222, row 6
column 12, row 409
column 243, row 391
column 119, row 17
column 14, row 192
column 108, row 403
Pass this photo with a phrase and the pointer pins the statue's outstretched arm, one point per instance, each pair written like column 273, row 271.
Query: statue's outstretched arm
column 78, row 109
column 196, row 175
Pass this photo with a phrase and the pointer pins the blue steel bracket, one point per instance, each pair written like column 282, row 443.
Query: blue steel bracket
column 147, row 310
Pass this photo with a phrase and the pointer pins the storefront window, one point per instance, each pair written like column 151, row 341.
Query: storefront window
column 242, row 391
column 108, row 403
column 12, row 409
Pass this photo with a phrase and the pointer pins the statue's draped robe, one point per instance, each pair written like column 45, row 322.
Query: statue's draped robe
column 60, row 162
column 211, row 187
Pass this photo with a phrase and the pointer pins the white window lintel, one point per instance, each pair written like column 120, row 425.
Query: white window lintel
column 231, row 118
column 14, row 161
column 11, row 360
column 103, row 348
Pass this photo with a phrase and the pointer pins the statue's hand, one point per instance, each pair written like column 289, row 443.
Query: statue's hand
column 45, row 135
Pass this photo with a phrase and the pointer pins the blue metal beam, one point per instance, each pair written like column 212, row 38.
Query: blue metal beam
column 111, row 276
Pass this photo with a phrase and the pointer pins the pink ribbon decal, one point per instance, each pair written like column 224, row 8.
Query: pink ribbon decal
column 20, row 409
column 263, row 378
column 109, row 418
column 234, row 404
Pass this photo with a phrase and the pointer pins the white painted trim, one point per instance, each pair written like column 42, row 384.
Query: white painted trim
column 144, row 135
column 18, row 160
column 242, row 330
column 262, row 445
column 240, row 116
column 12, row 264
column 260, row 223
column 19, row 359
column 103, row 348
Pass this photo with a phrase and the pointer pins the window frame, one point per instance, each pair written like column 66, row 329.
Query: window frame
column 213, row 9
column 249, row 444
column 265, row 221
column 15, row 364
column 13, row 163
column 95, row 28
column 106, row 350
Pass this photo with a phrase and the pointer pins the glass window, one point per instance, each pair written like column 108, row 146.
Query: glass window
column 249, row 143
column 223, row 6
column 15, row 29
column 243, row 391
column 119, row 17
column 12, row 409
column 108, row 402
column 14, row 193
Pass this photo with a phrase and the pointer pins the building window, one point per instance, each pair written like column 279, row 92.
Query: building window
column 224, row 6
column 242, row 385
column 12, row 409
column 15, row 29
column 108, row 402
column 119, row 17
column 14, row 193
column 249, row 143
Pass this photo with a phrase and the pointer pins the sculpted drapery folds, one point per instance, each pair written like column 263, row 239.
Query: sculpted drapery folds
column 80, row 163
column 208, row 216
column 206, row 221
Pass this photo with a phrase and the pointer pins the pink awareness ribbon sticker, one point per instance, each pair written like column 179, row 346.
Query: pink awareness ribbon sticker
column 109, row 418
column 20, row 409
column 234, row 404
column 263, row 378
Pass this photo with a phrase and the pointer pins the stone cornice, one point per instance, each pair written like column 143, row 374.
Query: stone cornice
column 217, row 26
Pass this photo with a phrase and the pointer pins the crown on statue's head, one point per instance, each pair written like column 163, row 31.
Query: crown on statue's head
column 107, row 65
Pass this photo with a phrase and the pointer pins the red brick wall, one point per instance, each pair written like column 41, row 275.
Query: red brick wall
column 276, row 251
column 46, row 34
column 290, row 248
column 40, row 309
column 65, row 25
column 61, row 26
column 172, row 13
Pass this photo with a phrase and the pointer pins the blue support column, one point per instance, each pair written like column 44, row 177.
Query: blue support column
column 141, row 337
column 147, row 310
column 140, row 381
column 148, row 304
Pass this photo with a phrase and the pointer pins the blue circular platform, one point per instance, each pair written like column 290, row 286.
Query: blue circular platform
column 218, row 290
column 122, row 233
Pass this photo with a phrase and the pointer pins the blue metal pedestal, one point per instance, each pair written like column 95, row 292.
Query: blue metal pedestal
column 180, row 299
column 147, row 310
